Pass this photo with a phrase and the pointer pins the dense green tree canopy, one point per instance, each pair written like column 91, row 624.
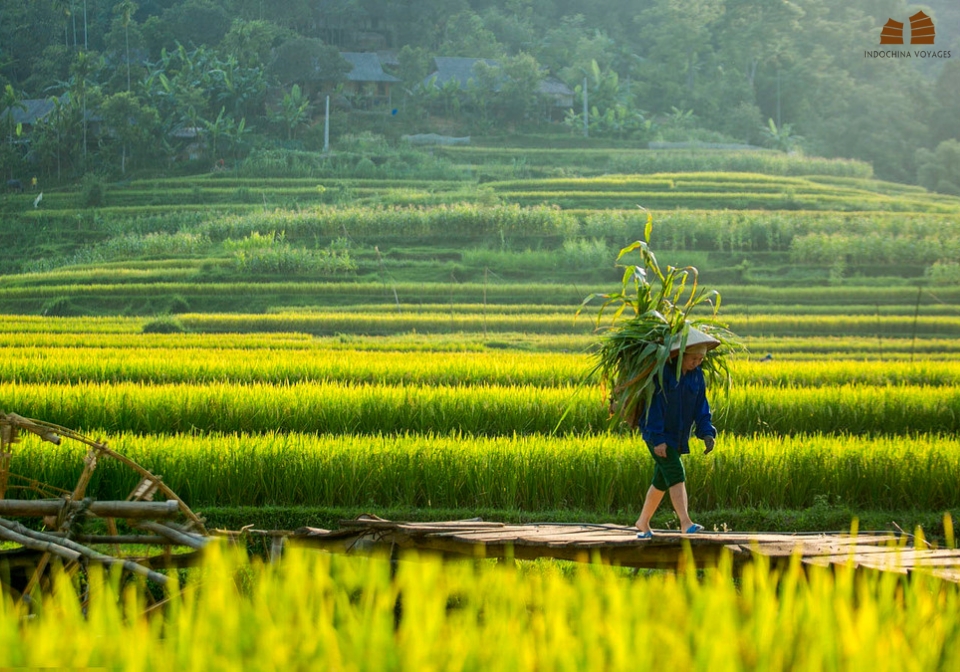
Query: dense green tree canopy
column 715, row 70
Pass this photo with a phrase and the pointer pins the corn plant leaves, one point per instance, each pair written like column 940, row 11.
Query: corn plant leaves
column 647, row 321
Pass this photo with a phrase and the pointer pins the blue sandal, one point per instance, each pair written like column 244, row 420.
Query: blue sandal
column 645, row 535
column 694, row 529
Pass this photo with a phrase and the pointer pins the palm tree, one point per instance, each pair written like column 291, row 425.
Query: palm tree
column 126, row 9
column 82, row 69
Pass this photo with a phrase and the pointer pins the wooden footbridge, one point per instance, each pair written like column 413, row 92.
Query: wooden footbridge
column 618, row 545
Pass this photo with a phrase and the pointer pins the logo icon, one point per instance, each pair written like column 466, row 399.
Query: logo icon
column 892, row 32
column 921, row 30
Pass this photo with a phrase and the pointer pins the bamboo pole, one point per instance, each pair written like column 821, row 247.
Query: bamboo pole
column 46, row 546
column 50, row 432
column 116, row 539
column 182, row 538
column 8, row 436
column 69, row 549
column 111, row 509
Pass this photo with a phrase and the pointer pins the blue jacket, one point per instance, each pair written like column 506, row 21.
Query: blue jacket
column 675, row 408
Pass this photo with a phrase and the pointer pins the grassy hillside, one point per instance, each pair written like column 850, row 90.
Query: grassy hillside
column 230, row 242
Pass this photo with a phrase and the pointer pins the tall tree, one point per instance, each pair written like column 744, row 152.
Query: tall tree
column 945, row 111
column 85, row 68
column 307, row 62
column 132, row 124
column 677, row 39
column 338, row 21
column 939, row 170
column 755, row 34
column 465, row 35
column 125, row 10
column 10, row 102
column 518, row 94
column 252, row 42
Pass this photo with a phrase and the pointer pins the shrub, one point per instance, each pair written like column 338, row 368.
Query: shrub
column 269, row 254
column 939, row 170
column 944, row 273
column 164, row 325
column 365, row 168
column 60, row 306
column 586, row 253
column 92, row 191
column 178, row 304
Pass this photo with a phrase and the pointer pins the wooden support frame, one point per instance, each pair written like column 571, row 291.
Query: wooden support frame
column 61, row 512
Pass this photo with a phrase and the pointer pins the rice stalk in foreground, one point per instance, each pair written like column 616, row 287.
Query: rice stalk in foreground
column 315, row 610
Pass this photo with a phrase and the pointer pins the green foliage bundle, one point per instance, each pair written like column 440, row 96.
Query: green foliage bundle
column 634, row 350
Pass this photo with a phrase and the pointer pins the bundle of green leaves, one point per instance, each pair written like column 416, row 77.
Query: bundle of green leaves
column 653, row 312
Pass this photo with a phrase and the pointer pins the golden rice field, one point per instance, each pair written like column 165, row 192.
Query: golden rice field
column 602, row 473
column 498, row 422
column 455, row 401
column 287, row 359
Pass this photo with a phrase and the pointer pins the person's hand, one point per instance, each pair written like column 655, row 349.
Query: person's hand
column 708, row 442
column 660, row 450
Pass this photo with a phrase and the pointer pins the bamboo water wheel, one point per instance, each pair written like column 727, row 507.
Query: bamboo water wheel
column 154, row 519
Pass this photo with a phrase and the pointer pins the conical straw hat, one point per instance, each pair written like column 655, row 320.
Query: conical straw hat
column 698, row 340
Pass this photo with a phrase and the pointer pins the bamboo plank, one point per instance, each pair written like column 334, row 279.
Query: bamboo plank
column 947, row 574
column 375, row 522
column 618, row 544
column 908, row 559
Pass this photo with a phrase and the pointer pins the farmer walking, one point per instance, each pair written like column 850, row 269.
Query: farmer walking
column 653, row 363
column 678, row 405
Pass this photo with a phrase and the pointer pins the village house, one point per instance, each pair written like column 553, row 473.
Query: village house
column 366, row 83
column 555, row 96
column 28, row 112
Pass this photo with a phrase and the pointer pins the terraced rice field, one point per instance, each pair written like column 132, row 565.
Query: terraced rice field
column 439, row 371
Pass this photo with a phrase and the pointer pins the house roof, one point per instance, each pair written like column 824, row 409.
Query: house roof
column 456, row 68
column 30, row 110
column 366, row 67
column 389, row 58
column 461, row 70
column 552, row 86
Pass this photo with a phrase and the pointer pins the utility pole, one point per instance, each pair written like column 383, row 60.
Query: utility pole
column 586, row 126
column 779, row 122
column 326, row 128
